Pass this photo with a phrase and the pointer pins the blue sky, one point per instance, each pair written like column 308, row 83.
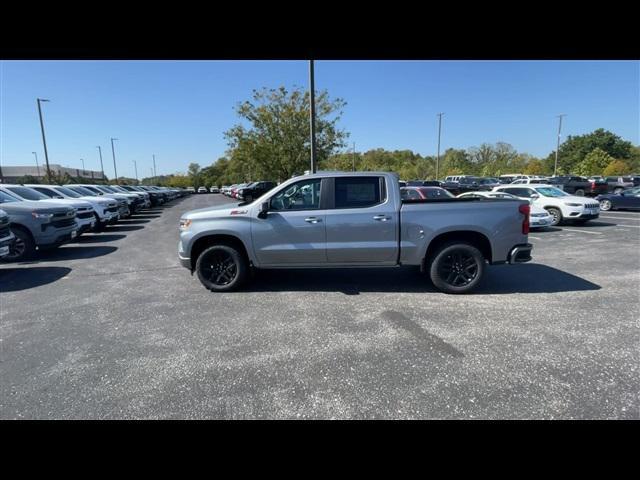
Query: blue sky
column 179, row 110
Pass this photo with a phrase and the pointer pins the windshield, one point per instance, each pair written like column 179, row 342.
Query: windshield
column 83, row 191
column 551, row 192
column 102, row 189
column 6, row 198
column 27, row 193
column 67, row 191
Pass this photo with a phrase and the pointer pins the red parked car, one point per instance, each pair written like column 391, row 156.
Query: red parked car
column 423, row 193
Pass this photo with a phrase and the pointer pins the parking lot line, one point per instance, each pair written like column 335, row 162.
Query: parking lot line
column 616, row 217
column 579, row 230
column 631, row 226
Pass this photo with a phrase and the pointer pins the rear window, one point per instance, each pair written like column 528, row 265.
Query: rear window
column 357, row 192
column 436, row 192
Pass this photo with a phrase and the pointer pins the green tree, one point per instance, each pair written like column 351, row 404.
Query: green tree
column 576, row 148
column 594, row 163
column 617, row 167
column 276, row 141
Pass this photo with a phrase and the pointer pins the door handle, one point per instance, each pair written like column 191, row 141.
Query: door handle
column 382, row 218
column 312, row 219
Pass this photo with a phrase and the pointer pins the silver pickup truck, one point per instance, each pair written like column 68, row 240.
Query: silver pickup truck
column 336, row 219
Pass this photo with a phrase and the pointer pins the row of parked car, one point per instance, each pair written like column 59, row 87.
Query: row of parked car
column 247, row 192
column 550, row 205
column 571, row 184
column 37, row 217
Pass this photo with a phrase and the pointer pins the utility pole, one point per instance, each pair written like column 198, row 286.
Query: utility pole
column 555, row 168
column 44, row 140
column 312, row 116
column 438, row 158
column 37, row 166
column 155, row 174
column 354, row 156
column 113, row 152
column 101, row 166
column 135, row 165
column 83, row 170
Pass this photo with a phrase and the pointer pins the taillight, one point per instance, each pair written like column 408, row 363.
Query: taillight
column 525, row 210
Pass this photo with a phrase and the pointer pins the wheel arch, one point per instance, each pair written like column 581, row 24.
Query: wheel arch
column 206, row 241
column 475, row 238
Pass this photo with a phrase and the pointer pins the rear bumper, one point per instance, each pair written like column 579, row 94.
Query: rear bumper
column 520, row 254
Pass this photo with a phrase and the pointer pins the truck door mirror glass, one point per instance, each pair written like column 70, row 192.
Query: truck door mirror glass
column 534, row 196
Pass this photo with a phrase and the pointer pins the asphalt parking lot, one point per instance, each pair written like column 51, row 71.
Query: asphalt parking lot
column 112, row 327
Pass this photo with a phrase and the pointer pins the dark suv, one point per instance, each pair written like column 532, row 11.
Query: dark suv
column 254, row 190
column 573, row 185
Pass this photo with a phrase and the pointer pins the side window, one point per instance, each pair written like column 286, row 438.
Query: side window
column 525, row 192
column 304, row 195
column 357, row 192
column 44, row 191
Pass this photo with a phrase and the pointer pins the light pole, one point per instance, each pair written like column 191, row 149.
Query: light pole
column 113, row 152
column 354, row 156
column 438, row 158
column 155, row 174
column 44, row 140
column 37, row 166
column 555, row 168
column 83, row 170
column 135, row 165
column 312, row 116
column 101, row 166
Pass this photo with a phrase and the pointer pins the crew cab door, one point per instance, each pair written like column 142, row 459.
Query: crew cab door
column 361, row 222
column 293, row 232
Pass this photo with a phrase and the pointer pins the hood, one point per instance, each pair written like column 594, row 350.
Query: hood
column 99, row 200
column 212, row 212
column 28, row 206
column 71, row 202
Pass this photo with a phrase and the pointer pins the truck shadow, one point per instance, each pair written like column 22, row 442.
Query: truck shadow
column 98, row 238
column 507, row 279
column 17, row 279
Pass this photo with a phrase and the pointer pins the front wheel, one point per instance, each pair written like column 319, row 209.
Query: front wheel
column 221, row 268
column 556, row 216
column 457, row 268
column 617, row 191
column 579, row 192
column 605, row 205
column 22, row 249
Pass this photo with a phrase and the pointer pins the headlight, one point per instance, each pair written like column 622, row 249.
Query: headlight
column 42, row 215
column 573, row 204
column 185, row 223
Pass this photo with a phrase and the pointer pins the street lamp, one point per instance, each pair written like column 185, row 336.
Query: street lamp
column 37, row 166
column 101, row 166
column 135, row 165
column 155, row 174
column 312, row 116
column 555, row 168
column 83, row 170
column 44, row 140
column 113, row 152
column 439, row 131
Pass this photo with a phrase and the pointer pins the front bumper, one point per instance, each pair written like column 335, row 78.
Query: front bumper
column 540, row 222
column 59, row 239
column 520, row 254
column 5, row 244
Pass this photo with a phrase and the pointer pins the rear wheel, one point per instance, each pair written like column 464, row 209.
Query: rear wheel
column 556, row 216
column 579, row 192
column 457, row 268
column 617, row 190
column 605, row 205
column 23, row 248
column 221, row 268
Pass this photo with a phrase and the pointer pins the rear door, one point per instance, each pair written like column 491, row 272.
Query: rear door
column 361, row 222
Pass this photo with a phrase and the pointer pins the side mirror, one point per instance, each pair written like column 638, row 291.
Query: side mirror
column 264, row 208
column 534, row 196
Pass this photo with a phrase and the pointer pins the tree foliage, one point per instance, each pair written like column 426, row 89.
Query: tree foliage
column 274, row 142
column 594, row 163
column 617, row 167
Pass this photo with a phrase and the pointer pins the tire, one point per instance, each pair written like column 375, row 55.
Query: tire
column 617, row 190
column 556, row 214
column 221, row 268
column 23, row 248
column 99, row 225
column 457, row 268
column 606, row 205
column 579, row 192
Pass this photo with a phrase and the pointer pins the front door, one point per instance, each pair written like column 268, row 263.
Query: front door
column 293, row 232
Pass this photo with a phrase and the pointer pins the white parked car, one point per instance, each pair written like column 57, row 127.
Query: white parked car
column 202, row 189
column 214, row 190
column 538, row 217
column 562, row 206
column 527, row 181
